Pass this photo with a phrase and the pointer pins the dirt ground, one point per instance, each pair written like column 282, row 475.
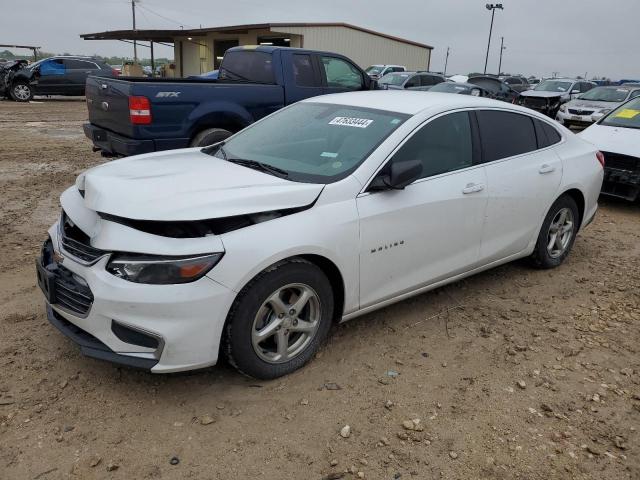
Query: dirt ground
column 512, row 374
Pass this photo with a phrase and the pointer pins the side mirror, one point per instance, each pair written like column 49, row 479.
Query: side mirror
column 373, row 84
column 398, row 176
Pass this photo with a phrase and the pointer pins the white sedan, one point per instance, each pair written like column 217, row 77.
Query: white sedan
column 618, row 136
column 328, row 209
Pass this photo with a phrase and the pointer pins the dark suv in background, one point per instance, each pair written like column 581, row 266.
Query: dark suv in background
column 56, row 76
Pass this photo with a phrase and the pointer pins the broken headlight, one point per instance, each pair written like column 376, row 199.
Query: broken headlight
column 161, row 270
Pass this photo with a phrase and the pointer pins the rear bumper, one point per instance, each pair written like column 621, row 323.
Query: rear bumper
column 113, row 144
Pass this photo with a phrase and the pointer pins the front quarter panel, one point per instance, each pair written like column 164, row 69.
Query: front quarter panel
column 328, row 229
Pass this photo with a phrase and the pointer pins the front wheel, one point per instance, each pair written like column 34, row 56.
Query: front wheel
column 21, row 92
column 279, row 320
column 557, row 234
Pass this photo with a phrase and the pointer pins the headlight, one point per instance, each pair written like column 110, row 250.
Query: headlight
column 604, row 111
column 563, row 108
column 475, row 92
column 161, row 270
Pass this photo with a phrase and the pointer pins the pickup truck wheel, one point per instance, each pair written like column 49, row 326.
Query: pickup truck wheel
column 557, row 234
column 279, row 320
column 21, row 92
column 209, row 137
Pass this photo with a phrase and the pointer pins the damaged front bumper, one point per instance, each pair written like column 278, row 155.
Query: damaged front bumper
column 621, row 183
column 160, row 328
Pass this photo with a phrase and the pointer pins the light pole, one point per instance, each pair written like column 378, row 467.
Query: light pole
column 493, row 8
column 446, row 60
column 135, row 44
column 502, row 48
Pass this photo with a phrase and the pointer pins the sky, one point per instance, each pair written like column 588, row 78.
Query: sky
column 570, row 37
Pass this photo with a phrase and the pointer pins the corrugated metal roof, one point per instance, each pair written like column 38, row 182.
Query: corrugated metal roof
column 169, row 35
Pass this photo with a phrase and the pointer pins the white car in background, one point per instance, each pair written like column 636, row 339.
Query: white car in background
column 326, row 210
column 617, row 135
column 379, row 71
column 593, row 105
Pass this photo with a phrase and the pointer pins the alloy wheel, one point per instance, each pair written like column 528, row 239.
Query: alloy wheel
column 286, row 323
column 21, row 92
column 560, row 232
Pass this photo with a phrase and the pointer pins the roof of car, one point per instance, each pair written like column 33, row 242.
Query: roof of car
column 410, row 102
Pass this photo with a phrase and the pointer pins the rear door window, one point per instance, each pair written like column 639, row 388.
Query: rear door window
column 303, row 71
column 505, row 134
column 247, row 66
column 73, row 64
column 546, row 134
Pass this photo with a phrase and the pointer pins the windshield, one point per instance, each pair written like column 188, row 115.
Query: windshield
column 394, row 79
column 553, row 86
column 313, row 142
column 627, row 115
column 374, row 70
column 449, row 87
column 604, row 94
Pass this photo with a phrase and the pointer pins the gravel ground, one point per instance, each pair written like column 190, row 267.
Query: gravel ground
column 512, row 374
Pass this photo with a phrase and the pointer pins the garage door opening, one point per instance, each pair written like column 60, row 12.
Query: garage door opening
column 275, row 41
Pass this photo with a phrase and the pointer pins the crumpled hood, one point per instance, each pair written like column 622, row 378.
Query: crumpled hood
column 538, row 93
column 620, row 140
column 187, row 185
column 590, row 104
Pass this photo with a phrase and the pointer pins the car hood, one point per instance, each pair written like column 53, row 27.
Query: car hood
column 537, row 93
column 620, row 140
column 187, row 185
column 591, row 104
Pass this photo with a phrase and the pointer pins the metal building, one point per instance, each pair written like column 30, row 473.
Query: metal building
column 200, row 50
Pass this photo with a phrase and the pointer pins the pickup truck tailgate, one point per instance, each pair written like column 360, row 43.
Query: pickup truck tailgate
column 108, row 104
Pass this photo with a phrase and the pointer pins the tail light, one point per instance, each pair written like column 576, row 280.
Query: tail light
column 140, row 110
column 115, row 72
column 600, row 157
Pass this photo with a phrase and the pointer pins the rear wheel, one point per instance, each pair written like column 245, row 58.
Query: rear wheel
column 209, row 137
column 21, row 92
column 279, row 320
column 557, row 234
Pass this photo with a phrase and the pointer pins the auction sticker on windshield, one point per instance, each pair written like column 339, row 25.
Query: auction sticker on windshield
column 627, row 113
column 351, row 122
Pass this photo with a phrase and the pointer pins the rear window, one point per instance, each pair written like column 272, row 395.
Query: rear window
column 247, row 66
column 547, row 135
column 505, row 134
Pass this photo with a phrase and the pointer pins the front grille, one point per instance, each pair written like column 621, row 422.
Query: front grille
column 621, row 162
column 534, row 102
column 70, row 293
column 575, row 111
column 77, row 243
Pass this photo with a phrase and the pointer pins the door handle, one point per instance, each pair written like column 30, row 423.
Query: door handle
column 546, row 168
column 473, row 188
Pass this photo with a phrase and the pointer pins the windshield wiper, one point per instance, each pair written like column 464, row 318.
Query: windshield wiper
column 263, row 167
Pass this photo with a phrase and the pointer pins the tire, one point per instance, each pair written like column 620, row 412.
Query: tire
column 550, row 255
column 209, row 137
column 253, row 313
column 21, row 92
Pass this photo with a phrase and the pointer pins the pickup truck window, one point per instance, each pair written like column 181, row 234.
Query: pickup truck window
column 313, row 142
column 303, row 71
column 247, row 66
column 341, row 74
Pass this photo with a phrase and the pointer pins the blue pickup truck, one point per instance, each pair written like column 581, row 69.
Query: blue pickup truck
column 129, row 116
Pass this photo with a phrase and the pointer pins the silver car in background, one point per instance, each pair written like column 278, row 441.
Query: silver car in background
column 595, row 104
